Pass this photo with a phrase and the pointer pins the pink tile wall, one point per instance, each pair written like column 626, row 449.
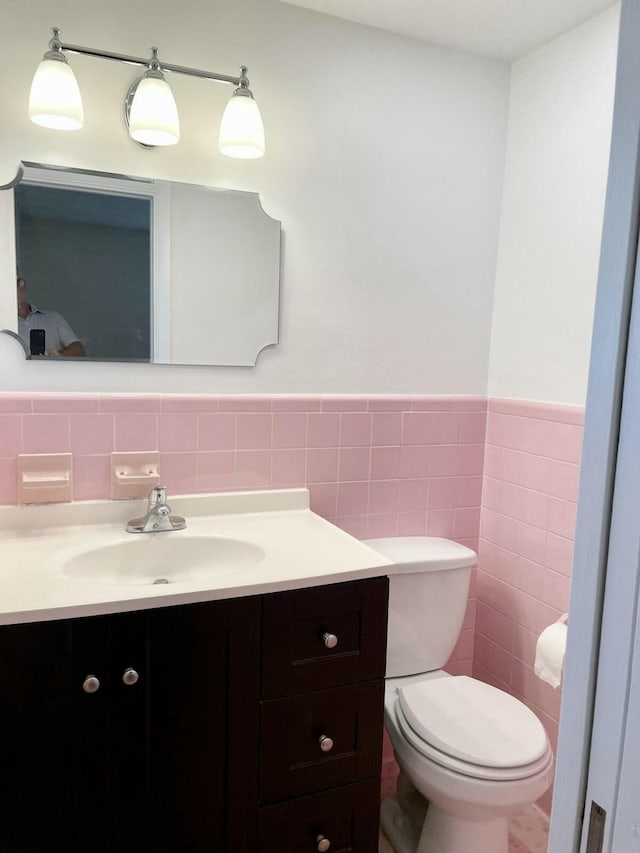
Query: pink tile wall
column 377, row 466
column 531, row 471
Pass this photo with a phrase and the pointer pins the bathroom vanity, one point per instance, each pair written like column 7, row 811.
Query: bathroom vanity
column 187, row 718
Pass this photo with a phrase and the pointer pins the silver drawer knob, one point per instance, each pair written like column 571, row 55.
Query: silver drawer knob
column 323, row 844
column 326, row 745
column 330, row 641
column 130, row 676
column 91, row 684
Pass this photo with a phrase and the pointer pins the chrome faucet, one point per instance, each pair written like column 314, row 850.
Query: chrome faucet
column 158, row 518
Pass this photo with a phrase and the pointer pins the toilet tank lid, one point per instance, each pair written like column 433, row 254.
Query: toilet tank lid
column 423, row 553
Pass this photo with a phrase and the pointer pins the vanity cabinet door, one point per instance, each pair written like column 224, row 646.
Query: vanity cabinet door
column 204, row 677
column 71, row 754
column 109, row 754
column 36, row 737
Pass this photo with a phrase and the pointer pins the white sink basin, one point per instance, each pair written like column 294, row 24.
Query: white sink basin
column 159, row 558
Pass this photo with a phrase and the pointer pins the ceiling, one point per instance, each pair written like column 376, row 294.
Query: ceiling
column 505, row 29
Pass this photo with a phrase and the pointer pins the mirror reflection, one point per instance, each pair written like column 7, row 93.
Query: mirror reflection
column 44, row 332
column 112, row 268
column 84, row 273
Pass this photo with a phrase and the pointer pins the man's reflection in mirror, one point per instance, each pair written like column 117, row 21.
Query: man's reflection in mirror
column 45, row 332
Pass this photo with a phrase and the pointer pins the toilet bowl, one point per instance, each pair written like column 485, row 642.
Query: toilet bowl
column 467, row 801
column 469, row 754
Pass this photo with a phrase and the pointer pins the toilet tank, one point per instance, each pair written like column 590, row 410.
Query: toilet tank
column 428, row 592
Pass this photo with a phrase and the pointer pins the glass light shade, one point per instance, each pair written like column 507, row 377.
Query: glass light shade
column 55, row 100
column 241, row 129
column 153, row 119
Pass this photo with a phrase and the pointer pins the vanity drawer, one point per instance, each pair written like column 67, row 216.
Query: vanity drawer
column 346, row 817
column 293, row 762
column 299, row 628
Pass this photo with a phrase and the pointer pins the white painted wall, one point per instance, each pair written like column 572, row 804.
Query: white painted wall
column 560, row 112
column 385, row 162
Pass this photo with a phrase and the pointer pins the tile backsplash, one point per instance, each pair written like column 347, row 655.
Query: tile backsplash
column 377, row 466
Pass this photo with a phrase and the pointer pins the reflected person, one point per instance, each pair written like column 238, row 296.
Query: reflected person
column 59, row 337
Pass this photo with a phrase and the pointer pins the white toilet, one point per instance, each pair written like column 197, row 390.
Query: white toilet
column 470, row 755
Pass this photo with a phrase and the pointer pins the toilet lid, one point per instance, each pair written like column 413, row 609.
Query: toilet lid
column 473, row 721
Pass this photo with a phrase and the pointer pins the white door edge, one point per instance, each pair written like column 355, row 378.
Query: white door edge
column 609, row 344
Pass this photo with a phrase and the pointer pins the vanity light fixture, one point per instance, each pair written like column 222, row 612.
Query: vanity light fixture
column 150, row 109
column 54, row 99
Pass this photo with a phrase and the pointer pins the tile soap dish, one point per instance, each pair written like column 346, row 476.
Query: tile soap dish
column 44, row 478
column 134, row 474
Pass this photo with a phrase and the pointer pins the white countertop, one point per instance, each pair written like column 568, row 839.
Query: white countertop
column 301, row 550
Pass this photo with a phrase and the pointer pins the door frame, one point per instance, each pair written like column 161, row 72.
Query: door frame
column 602, row 429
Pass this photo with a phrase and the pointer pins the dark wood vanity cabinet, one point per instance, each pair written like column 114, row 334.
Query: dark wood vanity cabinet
column 158, row 731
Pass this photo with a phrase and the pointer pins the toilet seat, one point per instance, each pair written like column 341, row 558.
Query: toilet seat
column 472, row 728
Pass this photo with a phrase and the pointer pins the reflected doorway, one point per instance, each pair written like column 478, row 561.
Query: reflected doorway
column 88, row 256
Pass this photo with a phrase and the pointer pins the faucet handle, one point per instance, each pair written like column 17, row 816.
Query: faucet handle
column 157, row 496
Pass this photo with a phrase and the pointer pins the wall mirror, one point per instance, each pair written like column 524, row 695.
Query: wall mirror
column 147, row 270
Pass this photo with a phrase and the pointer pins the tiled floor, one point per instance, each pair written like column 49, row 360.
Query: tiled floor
column 528, row 833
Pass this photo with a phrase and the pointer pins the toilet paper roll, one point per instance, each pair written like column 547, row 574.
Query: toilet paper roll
column 550, row 651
